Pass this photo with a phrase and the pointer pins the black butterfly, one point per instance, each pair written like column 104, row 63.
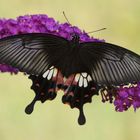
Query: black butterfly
column 80, row 69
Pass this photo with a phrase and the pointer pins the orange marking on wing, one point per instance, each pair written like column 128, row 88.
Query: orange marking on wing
column 70, row 80
column 59, row 78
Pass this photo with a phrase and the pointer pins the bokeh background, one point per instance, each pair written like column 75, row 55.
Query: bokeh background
column 53, row 120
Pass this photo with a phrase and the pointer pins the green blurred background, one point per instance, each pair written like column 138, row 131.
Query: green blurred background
column 53, row 120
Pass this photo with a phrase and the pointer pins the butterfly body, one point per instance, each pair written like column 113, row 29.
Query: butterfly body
column 73, row 63
column 75, row 40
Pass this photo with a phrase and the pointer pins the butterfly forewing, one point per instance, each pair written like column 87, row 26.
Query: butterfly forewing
column 110, row 64
column 32, row 53
column 35, row 53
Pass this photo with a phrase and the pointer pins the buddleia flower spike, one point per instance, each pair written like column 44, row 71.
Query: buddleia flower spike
column 61, row 56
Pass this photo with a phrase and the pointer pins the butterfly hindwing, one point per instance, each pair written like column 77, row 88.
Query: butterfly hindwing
column 78, row 90
column 45, row 87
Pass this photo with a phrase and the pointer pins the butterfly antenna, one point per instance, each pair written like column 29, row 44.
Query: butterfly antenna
column 66, row 17
column 97, row 30
column 68, row 21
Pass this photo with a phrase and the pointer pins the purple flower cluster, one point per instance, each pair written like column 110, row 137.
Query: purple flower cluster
column 38, row 24
column 123, row 97
column 6, row 68
column 127, row 97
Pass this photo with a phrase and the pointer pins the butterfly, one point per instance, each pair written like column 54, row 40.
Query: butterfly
column 80, row 69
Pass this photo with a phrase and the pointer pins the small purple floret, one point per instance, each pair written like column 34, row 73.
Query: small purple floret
column 6, row 68
column 127, row 97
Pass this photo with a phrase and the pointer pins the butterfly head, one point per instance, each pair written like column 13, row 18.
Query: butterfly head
column 75, row 38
